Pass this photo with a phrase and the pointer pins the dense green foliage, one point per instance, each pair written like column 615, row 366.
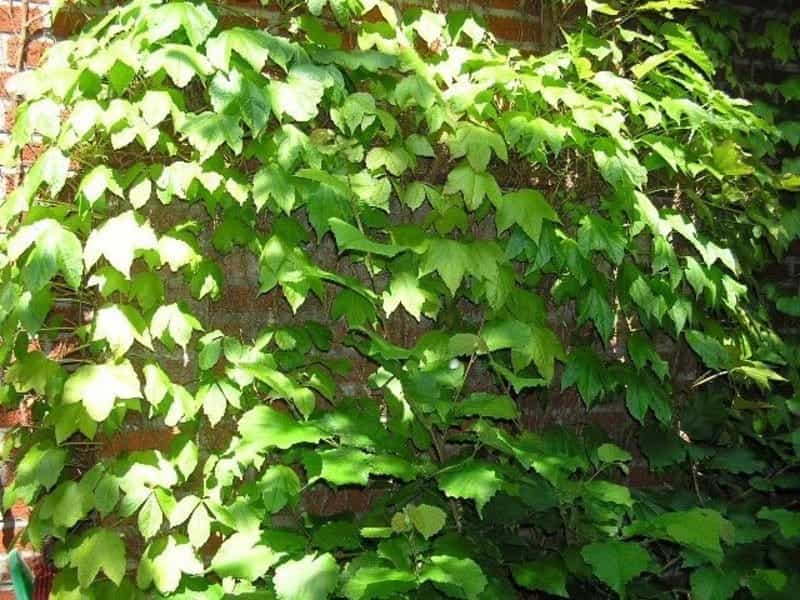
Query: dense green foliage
column 591, row 221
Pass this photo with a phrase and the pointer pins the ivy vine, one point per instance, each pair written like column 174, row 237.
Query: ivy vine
column 476, row 231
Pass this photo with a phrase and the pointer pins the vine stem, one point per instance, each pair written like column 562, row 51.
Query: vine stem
column 22, row 36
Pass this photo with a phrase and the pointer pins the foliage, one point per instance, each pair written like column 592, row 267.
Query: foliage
column 590, row 223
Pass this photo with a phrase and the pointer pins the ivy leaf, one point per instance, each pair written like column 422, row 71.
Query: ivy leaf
column 584, row 370
column 264, row 427
column 150, row 517
column 472, row 480
column 714, row 354
column 546, row 575
column 492, row 406
column 643, row 392
column 477, row 143
column 118, row 240
column 243, row 556
column 710, row 583
column 173, row 323
column 199, row 528
column 448, row 258
column 473, row 186
column 233, row 92
column 596, row 233
column 251, row 44
column 300, row 95
column 594, row 305
column 394, row 159
column 788, row 521
column 100, row 386
column 163, row 563
column 370, row 582
column 350, row 238
column 279, row 486
column 207, row 131
column 617, row 563
column 182, row 63
column 356, row 309
column 99, row 550
column 313, row 577
column 120, row 325
column 273, row 182
column 404, row 290
column 215, row 397
column 526, row 208
column 55, row 248
column 427, row 519
column 641, row 351
column 345, row 466
column 449, row 572
column 196, row 20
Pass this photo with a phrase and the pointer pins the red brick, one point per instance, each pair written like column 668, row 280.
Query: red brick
column 505, row 4
column 31, row 153
column 34, row 50
column 68, row 22
column 513, row 30
column 131, row 441
column 16, row 417
column 11, row 20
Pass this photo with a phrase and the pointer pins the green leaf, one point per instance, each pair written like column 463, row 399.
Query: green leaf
column 427, row 519
column 264, row 427
column 313, row 577
column 251, row 44
column 345, row 466
column 585, row 370
column 477, row 143
column 617, row 563
column 197, row 21
column 279, row 486
column 99, row 550
column 596, row 233
column 788, row 521
column 710, row 583
column 243, row 556
column 299, row 96
column 404, row 289
column 545, row 575
column 472, row 480
column 120, row 325
column 713, row 353
column 449, row 573
column 350, row 238
column 492, row 406
column 356, row 309
column 215, row 397
column 234, row 93
column 55, row 249
column 98, row 387
column 526, row 208
column 119, row 239
column 150, row 517
column 474, row 186
column 449, row 258
column 273, row 182
column 207, row 131
column 369, row 583
column 182, row 63
column 172, row 323
column 163, row 563
column 199, row 528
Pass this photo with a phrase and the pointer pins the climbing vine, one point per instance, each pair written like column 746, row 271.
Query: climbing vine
column 450, row 232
